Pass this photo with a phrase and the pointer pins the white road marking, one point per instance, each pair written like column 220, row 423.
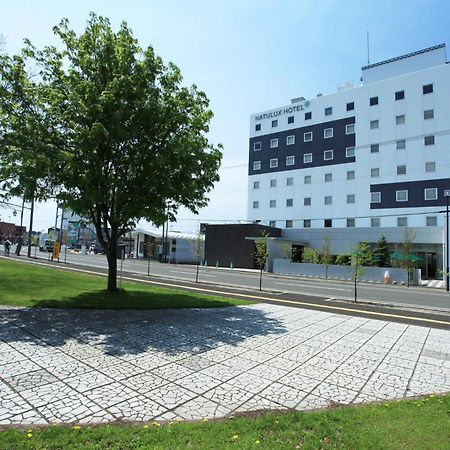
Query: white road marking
column 312, row 287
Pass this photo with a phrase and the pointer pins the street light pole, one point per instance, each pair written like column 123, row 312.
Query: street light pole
column 447, row 196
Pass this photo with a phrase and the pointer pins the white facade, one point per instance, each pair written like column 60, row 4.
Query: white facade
column 389, row 148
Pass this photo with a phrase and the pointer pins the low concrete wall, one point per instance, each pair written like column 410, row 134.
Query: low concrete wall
column 372, row 274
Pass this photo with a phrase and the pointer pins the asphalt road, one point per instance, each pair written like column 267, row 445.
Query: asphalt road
column 420, row 298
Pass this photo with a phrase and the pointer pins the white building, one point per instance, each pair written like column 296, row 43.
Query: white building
column 367, row 160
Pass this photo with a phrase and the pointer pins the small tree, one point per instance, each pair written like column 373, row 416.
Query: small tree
column 343, row 260
column 260, row 254
column 310, row 256
column 365, row 254
column 381, row 253
column 405, row 256
column 325, row 256
column 357, row 261
column 149, row 246
column 198, row 245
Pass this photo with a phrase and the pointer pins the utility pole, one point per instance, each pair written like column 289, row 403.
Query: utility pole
column 447, row 196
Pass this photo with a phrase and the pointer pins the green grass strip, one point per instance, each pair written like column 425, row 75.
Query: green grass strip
column 411, row 424
column 23, row 284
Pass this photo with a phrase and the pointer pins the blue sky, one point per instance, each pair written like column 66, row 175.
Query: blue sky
column 248, row 56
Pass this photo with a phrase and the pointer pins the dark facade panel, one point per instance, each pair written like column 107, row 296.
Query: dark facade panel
column 416, row 193
column 227, row 244
column 317, row 146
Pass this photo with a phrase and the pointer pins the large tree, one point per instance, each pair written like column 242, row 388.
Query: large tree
column 128, row 140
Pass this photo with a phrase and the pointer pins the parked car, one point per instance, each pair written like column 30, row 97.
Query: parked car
column 96, row 248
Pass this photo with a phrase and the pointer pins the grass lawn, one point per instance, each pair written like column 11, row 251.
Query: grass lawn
column 23, row 284
column 414, row 424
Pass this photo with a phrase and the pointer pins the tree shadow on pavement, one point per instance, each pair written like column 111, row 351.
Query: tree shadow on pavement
column 167, row 332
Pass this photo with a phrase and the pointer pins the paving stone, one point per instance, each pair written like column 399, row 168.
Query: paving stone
column 283, row 395
column 201, row 408
column 97, row 366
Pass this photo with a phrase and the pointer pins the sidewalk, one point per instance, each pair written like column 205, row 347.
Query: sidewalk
column 76, row 366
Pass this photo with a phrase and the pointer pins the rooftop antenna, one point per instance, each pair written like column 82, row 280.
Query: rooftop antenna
column 368, row 54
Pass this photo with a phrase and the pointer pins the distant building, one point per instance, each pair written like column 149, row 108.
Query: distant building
column 11, row 231
column 366, row 161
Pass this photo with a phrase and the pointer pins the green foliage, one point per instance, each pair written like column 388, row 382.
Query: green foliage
column 365, row 254
column 416, row 424
column 405, row 256
column 381, row 255
column 343, row 260
column 260, row 252
column 310, row 256
column 108, row 129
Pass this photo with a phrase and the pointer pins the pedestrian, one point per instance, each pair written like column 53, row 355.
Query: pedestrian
column 7, row 247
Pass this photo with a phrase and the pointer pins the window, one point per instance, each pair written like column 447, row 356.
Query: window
column 374, row 124
column 328, row 177
column 375, row 172
column 290, row 160
column 402, row 221
column 401, row 170
column 401, row 196
column 255, row 205
column 256, row 146
column 307, row 179
column 350, row 128
column 274, row 123
column 258, row 127
column 350, row 223
column 430, row 166
column 328, row 111
column 328, row 133
column 308, row 115
column 427, row 89
column 289, row 181
column 307, row 223
column 273, row 163
column 256, row 185
column 428, row 114
column 273, row 183
column 290, row 140
column 272, row 223
column 273, row 203
column 373, row 101
column 399, row 95
column 431, row 194
column 350, row 152
column 274, row 143
column 374, row 221
column 257, row 165
column 350, row 198
column 307, row 201
column 288, row 223
column 428, row 140
column 291, row 119
column 328, row 200
column 328, row 223
column 328, row 155
column 431, row 221
column 401, row 144
column 350, row 106
column 375, row 148
column 350, row 175
column 308, row 136
column 289, row 202
column 307, row 158
column 400, row 120
column 375, row 197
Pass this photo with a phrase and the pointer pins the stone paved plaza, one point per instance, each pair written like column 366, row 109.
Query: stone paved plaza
column 77, row 366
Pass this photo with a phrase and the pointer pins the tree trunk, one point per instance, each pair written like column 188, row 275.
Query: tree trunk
column 196, row 275
column 260, row 279
column 111, row 255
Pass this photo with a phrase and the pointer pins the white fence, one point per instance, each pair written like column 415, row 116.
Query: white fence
column 371, row 274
